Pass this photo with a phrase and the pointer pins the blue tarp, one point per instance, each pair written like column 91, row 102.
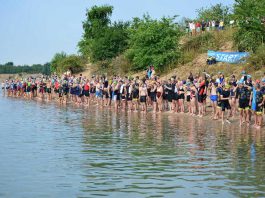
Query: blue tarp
column 228, row 57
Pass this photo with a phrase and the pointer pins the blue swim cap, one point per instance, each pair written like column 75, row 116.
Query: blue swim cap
column 240, row 82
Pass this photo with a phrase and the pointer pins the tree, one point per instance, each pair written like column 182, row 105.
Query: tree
column 62, row 62
column 9, row 64
column 73, row 62
column 18, row 69
column 153, row 42
column 251, row 31
column 55, row 62
column 215, row 12
column 46, row 69
column 102, row 40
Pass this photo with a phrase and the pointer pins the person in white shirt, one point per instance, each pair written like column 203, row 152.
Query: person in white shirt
column 213, row 25
column 193, row 29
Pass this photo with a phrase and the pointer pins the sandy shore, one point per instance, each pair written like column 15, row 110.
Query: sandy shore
column 16, row 76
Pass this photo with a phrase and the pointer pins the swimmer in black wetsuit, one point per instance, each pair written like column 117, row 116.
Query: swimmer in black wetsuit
column 153, row 92
column 135, row 96
column 225, row 96
column 143, row 96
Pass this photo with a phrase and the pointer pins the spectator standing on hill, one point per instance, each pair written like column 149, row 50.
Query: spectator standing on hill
column 213, row 25
column 203, row 24
column 187, row 27
column 192, row 28
column 217, row 25
column 198, row 27
column 221, row 25
column 208, row 25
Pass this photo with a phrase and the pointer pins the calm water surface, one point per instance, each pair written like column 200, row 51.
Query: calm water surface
column 52, row 151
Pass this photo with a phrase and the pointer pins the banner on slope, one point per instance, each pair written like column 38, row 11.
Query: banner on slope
column 228, row 57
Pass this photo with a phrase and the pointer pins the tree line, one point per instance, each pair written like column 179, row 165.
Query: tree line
column 133, row 45
column 10, row 68
column 147, row 41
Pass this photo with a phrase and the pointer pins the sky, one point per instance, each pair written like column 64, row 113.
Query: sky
column 32, row 31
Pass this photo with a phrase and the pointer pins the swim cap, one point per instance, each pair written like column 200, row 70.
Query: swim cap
column 218, row 81
column 240, row 82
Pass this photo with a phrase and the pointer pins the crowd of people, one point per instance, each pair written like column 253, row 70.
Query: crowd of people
column 222, row 97
column 197, row 27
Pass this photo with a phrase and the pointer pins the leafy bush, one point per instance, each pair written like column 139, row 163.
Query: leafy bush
column 62, row 62
column 120, row 65
column 248, row 40
column 153, row 42
column 257, row 59
column 57, row 58
column 251, row 31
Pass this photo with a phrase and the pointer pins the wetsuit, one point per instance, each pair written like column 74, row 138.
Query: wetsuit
column 201, row 94
column 135, row 91
column 219, row 91
column 225, row 103
column 169, row 91
column 242, row 96
column 86, row 90
column 153, row 95
column 259, row 100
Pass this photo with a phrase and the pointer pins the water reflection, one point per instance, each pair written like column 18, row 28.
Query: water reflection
column 67, row 151
column 173, row 154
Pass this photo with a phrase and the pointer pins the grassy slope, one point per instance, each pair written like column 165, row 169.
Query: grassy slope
column 194, row 59
column 197, row 55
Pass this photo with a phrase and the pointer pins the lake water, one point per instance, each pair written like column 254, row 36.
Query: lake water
column 49, row 150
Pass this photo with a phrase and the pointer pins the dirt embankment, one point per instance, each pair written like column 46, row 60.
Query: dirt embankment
column 198, row 66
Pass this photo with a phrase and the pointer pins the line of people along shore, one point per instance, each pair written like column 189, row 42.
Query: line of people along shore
column 222, row 97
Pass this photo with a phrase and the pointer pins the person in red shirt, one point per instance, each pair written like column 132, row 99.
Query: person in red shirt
column 86, row 92
column 198, row 27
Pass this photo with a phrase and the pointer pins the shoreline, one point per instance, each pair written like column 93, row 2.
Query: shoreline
column 206, row 118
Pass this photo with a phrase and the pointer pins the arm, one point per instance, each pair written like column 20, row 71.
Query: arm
column 222, row 98
column 251, row 97
column 263, row 101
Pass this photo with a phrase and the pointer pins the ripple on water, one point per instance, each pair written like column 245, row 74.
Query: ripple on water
column 48, row 150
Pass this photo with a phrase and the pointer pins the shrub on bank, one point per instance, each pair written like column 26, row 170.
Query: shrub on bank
column 62, row 62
